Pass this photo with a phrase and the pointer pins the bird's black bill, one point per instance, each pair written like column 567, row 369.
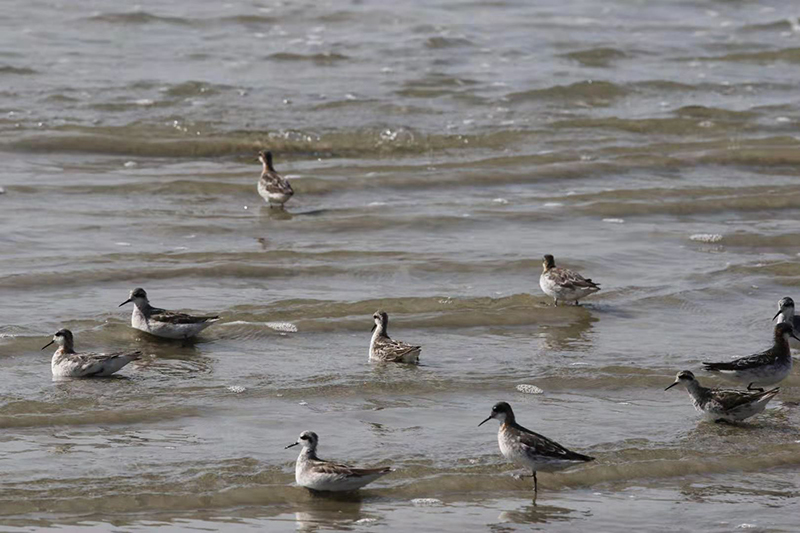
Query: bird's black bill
column 671, row 386
column 289, row 446
column 48, row 344
column 482, row 423
column 776, row 314
column 374, row 326
column 125, row 302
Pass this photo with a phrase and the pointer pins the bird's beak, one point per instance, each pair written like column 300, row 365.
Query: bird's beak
column 289, row 446
column 777, row 314
column 672, row 385
column 374, row 326
column 482, row 423
column 48, row 344
column 126, row 301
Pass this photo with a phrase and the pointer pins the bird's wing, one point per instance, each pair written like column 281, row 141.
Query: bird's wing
column 274, row 183
column 172, row 317
column 327, row 467
column 542, row 446
column 91, row 363
column 392, row 350
column 743, row 363
column 729, row 399
column 570, row 279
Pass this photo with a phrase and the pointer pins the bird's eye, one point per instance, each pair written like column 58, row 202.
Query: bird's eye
column 303, row 437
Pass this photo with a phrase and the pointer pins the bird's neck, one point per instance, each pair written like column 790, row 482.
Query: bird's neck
column 308, row 454
column 781, row 347
column 380, row 331
column 696, row 390
column 64, row 350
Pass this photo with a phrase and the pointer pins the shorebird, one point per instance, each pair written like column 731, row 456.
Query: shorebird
column 67, row 363
column 723, row 404
column 382, row 348
column 272, row 187
column 313, row 473
column 564, row 284
column 762, row 369
column 163, row 323
column 786, row 314
column 528, row 449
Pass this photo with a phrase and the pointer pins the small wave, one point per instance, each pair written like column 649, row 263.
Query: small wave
column 529, row 389
column 614, row 220
column 136, row 17
column 447, row 42
column 590, row 92
column 19, row 71
column 325, row 58
column 596, row 57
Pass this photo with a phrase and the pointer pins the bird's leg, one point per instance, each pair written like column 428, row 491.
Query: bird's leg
column 535, row 484
column 751, row 388
column 555, row 303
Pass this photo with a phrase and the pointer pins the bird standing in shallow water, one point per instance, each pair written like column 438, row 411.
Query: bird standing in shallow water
column 382, row 348
column 67, row 363
column 762, row 369
column 272, row 187
column 528, row 449
column 721, row 405
column 163, row 323
column 564, row 284
column 313, row 473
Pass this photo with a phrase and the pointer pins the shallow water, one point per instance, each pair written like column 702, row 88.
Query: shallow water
column 437, row 150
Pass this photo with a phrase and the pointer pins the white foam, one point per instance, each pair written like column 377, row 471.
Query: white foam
column 122, row 243
column 706, row 237
column 287, row 327
column 130, row 164
column 529, row 389
column 376, row 204
column 614, row 220
column 236, row 389
column 426, row 502
column 7, row 335
column 500, row 201
column 553, row 204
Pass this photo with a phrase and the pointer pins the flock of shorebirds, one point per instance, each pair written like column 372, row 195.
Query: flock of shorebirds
column 521, row 446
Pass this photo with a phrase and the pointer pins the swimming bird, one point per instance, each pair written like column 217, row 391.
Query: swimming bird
column 528, row 449
column 163, row 323
column 313, row 473
column 67, row 363
column 786, row 314
column 762, row 369
column 723, row 404
column 382, row 348
column 272, row 187
column 564, row 284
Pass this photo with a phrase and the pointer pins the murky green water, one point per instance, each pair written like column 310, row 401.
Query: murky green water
column 437, row 151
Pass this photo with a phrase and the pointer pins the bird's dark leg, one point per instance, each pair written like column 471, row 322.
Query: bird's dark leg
column 555, row 303
column 750, row 388
column 535, row 483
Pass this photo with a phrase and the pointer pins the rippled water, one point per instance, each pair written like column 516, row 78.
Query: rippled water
column 437, row 151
